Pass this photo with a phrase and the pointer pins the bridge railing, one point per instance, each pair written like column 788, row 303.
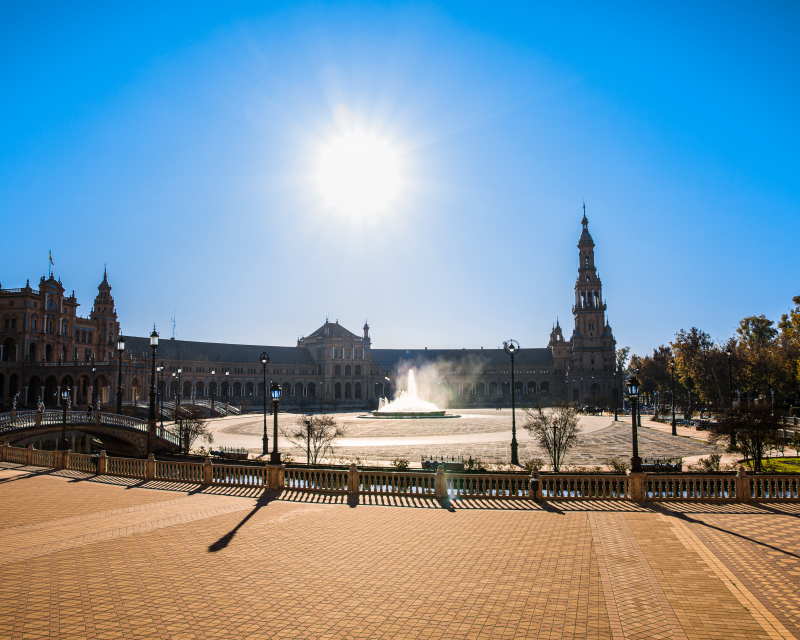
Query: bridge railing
column 741, row 487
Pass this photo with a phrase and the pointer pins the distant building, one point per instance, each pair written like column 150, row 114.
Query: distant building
column 47, row 346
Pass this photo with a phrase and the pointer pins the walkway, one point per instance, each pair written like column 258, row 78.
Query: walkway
column 479, row 433
column 89, row 557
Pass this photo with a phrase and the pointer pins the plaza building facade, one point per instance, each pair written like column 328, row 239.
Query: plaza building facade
column 46, row 346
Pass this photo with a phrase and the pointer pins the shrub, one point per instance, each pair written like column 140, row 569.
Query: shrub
column 538, row 463
column 618, row 465
column 401, row 464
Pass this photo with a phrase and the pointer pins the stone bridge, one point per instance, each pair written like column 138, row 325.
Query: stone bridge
column 122, row 434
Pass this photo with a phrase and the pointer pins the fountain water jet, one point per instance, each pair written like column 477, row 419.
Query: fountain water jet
column 408, row 404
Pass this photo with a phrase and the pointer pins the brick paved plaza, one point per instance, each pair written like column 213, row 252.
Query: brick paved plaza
column 105, row 557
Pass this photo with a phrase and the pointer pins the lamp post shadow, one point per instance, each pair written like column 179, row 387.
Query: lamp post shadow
column 225, row 540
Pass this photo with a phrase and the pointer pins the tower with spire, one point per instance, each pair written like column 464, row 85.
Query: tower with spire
column 105, row 315
column 588, row 360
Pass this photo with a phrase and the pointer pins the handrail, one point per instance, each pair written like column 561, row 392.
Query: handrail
column 696, row 487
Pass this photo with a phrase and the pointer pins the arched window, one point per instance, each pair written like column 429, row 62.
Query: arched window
column 358, row 373
column 83, row 336
column 587, row 261
column 89, row 338
column 358, row 390
column 337, row 370
column 347, row 389
column 348, row 371
column 337, row 390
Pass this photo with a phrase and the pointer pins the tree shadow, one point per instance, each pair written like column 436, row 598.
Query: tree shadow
column 225, row 540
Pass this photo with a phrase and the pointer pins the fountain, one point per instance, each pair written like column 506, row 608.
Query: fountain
column 408, row 404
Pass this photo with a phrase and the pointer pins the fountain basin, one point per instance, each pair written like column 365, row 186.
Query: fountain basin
column 409, row 415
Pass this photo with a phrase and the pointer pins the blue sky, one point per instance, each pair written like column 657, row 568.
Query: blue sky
column 178, row 144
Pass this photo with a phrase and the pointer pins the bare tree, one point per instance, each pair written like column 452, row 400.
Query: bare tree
column 190, row 425
column 755, row 429
column 315, row 434
column 556, row 430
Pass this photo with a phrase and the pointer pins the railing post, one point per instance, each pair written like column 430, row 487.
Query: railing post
column 150, row 468
column 275, row 476
column 65, row 459
column 102, row 461
column 637, row 486
column 208, row 471
column 37, row 419
column 98, row 417
column 29, row 455
column 352, row 480
column 535, row 491
column 5, row 448
column 440, row 484
column 742, row 485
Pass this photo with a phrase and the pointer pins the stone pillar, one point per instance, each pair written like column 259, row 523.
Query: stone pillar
column 150, row 468
column 352, row 480
column 208, row 477
column 637, row 486
column 29, row 455
column 97, row 417
column 742, row 485
column 275, row 476
column 102, row 461
column 440, row 484
column 37, row 419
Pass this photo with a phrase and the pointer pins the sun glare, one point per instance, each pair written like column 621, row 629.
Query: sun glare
column 358, row 174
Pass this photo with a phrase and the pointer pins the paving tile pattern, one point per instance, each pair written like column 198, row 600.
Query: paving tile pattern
column 84, row 558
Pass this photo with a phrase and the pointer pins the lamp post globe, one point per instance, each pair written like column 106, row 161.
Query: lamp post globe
column 275, row 392
column 265, row 440
column 120, row 351
column 633, row 392
column 511, row 347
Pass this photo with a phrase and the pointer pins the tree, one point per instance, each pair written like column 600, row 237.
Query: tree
column 190, row 425
column 622, row 357
column 789, row 355
column 315, row 434
column 756, row 431
column 555, row 430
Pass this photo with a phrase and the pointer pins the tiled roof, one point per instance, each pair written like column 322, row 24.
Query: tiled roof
column 185, row 350
column 336, row 331
column 525, row 357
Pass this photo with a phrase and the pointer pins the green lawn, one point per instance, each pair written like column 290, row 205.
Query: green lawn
column 791, row 465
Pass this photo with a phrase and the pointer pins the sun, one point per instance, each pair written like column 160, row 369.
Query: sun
column 358, row 174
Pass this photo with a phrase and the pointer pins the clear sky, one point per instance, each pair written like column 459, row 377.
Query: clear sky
column 192, row 147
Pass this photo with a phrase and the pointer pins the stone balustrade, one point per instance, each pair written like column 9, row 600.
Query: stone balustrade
column 639, row 487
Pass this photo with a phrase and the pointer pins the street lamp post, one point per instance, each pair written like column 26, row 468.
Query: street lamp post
column 65, row 396
column 672, row 372
column 213, row 390
column 94, row 381
column 227, row 390
column 511, row 347
column 308, row 441
column 633, row 392
column 154, row 347
column 151, row 420
column 160, row 369
column 120, row 350
column 265, row 442
column 275, row 391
